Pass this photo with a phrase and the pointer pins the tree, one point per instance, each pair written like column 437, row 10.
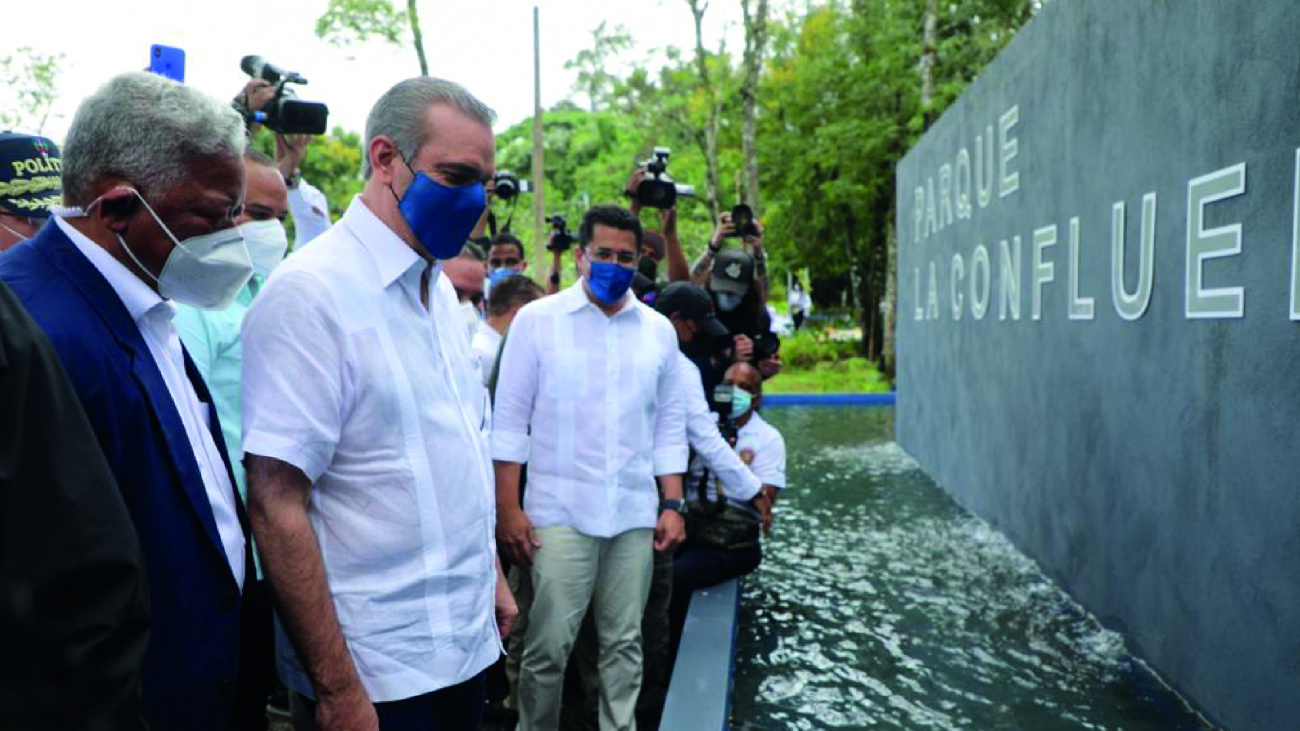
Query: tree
column 31, row 79
column 755, row 41
column 593, row 63
column 712, row 99
column 356, row 21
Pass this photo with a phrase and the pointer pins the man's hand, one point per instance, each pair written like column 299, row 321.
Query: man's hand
column 348, row 711
column 515, row 536
column 629, row 190
column 755, row 243
column 744, row 349
column 724, row 229
column 670, row 531
column 288, row 153
column 256, row 94
column 506, row 608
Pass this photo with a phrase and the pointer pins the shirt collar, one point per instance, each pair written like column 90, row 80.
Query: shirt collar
column 137, row 296
column 575, row 298
column 393, row 257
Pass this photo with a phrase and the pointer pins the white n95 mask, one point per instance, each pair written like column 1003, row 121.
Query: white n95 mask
column 202, row 271
column 266, row 242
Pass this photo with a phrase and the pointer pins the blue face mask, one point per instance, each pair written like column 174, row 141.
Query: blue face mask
column 609, row 281
column 441, row 218
column 496, row 275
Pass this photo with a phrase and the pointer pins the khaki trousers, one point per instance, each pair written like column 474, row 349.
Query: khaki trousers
column 572, row 571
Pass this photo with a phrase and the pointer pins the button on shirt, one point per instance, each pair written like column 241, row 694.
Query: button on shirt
column 153, row 315
column 597, row 392
column 706, row 441
column 762, row 448
column 349, row 378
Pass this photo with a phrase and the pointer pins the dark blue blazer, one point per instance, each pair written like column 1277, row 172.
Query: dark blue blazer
column 191, row 668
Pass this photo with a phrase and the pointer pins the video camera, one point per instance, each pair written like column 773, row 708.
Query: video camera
column 285, row 113
column 561, row 239
column 722, row 399
column 506, row 185
column 657, row 189
column 742, row 221
column 766, row 345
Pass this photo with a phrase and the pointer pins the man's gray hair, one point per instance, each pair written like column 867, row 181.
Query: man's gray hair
column 145, row 128
column 400, row 114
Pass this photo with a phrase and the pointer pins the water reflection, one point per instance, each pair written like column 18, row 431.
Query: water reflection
column 881, row 603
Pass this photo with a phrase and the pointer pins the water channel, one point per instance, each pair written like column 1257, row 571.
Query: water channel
column 882, row 604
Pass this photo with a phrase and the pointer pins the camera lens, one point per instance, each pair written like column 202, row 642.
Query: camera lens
column 157, row 52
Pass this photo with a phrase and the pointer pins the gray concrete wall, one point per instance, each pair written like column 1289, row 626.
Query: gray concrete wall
column 1149, row 461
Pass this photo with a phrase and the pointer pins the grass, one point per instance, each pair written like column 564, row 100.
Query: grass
column 851, row 375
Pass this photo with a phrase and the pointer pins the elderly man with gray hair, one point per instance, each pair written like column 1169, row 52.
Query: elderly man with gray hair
column 153, row 179
column 366, row 438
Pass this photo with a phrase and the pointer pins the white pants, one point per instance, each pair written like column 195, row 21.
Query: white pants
column 572, row 571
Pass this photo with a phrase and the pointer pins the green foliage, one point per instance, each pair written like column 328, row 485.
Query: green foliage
column 589, row 157
column 31, row 82
column 852, row 375
column 355, row 21
column 331, row 162
column 810, row 346
column 592, row 63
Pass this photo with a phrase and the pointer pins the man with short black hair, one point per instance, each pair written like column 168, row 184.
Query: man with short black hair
column 585, row 398
column 506, row 255
column 29, row 184
column 510, row 294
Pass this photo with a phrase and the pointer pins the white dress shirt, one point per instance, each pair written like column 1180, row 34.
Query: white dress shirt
column 378, row 401
column 597, row 392
column 762, row 448
column 487, row 342
column 706, row 440
column 311, row 213
column 153, row 315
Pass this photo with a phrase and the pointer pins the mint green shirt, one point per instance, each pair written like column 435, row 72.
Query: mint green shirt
column 212, row 339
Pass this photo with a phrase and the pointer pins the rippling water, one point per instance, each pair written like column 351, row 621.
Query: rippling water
column 883, row 604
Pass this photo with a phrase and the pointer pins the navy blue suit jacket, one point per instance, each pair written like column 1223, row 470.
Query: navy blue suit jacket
column 192, row 664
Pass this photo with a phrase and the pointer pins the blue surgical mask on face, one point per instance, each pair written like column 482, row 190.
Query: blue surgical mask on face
column 441, row 217
column 496, row 275
column 609, row 281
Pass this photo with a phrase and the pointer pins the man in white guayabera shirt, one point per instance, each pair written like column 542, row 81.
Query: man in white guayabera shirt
column 366, row 438
column 585, row 399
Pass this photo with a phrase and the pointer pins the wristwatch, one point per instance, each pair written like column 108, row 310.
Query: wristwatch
column 677, row 506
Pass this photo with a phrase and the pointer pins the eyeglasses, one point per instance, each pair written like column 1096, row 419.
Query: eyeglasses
column 606, row 255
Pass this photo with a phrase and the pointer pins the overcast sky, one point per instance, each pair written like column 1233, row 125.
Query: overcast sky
column 484, row 44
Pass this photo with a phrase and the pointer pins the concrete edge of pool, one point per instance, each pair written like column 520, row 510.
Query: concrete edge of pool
column 699, row 694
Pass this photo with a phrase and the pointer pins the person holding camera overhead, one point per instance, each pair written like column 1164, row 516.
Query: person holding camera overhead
column 307, row 204
column 366, row 438
column 585, row 398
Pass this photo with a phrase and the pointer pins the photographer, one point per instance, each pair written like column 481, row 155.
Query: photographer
column 557, row 242
column 724, row 515
column 678, row 268
column 307, row 204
